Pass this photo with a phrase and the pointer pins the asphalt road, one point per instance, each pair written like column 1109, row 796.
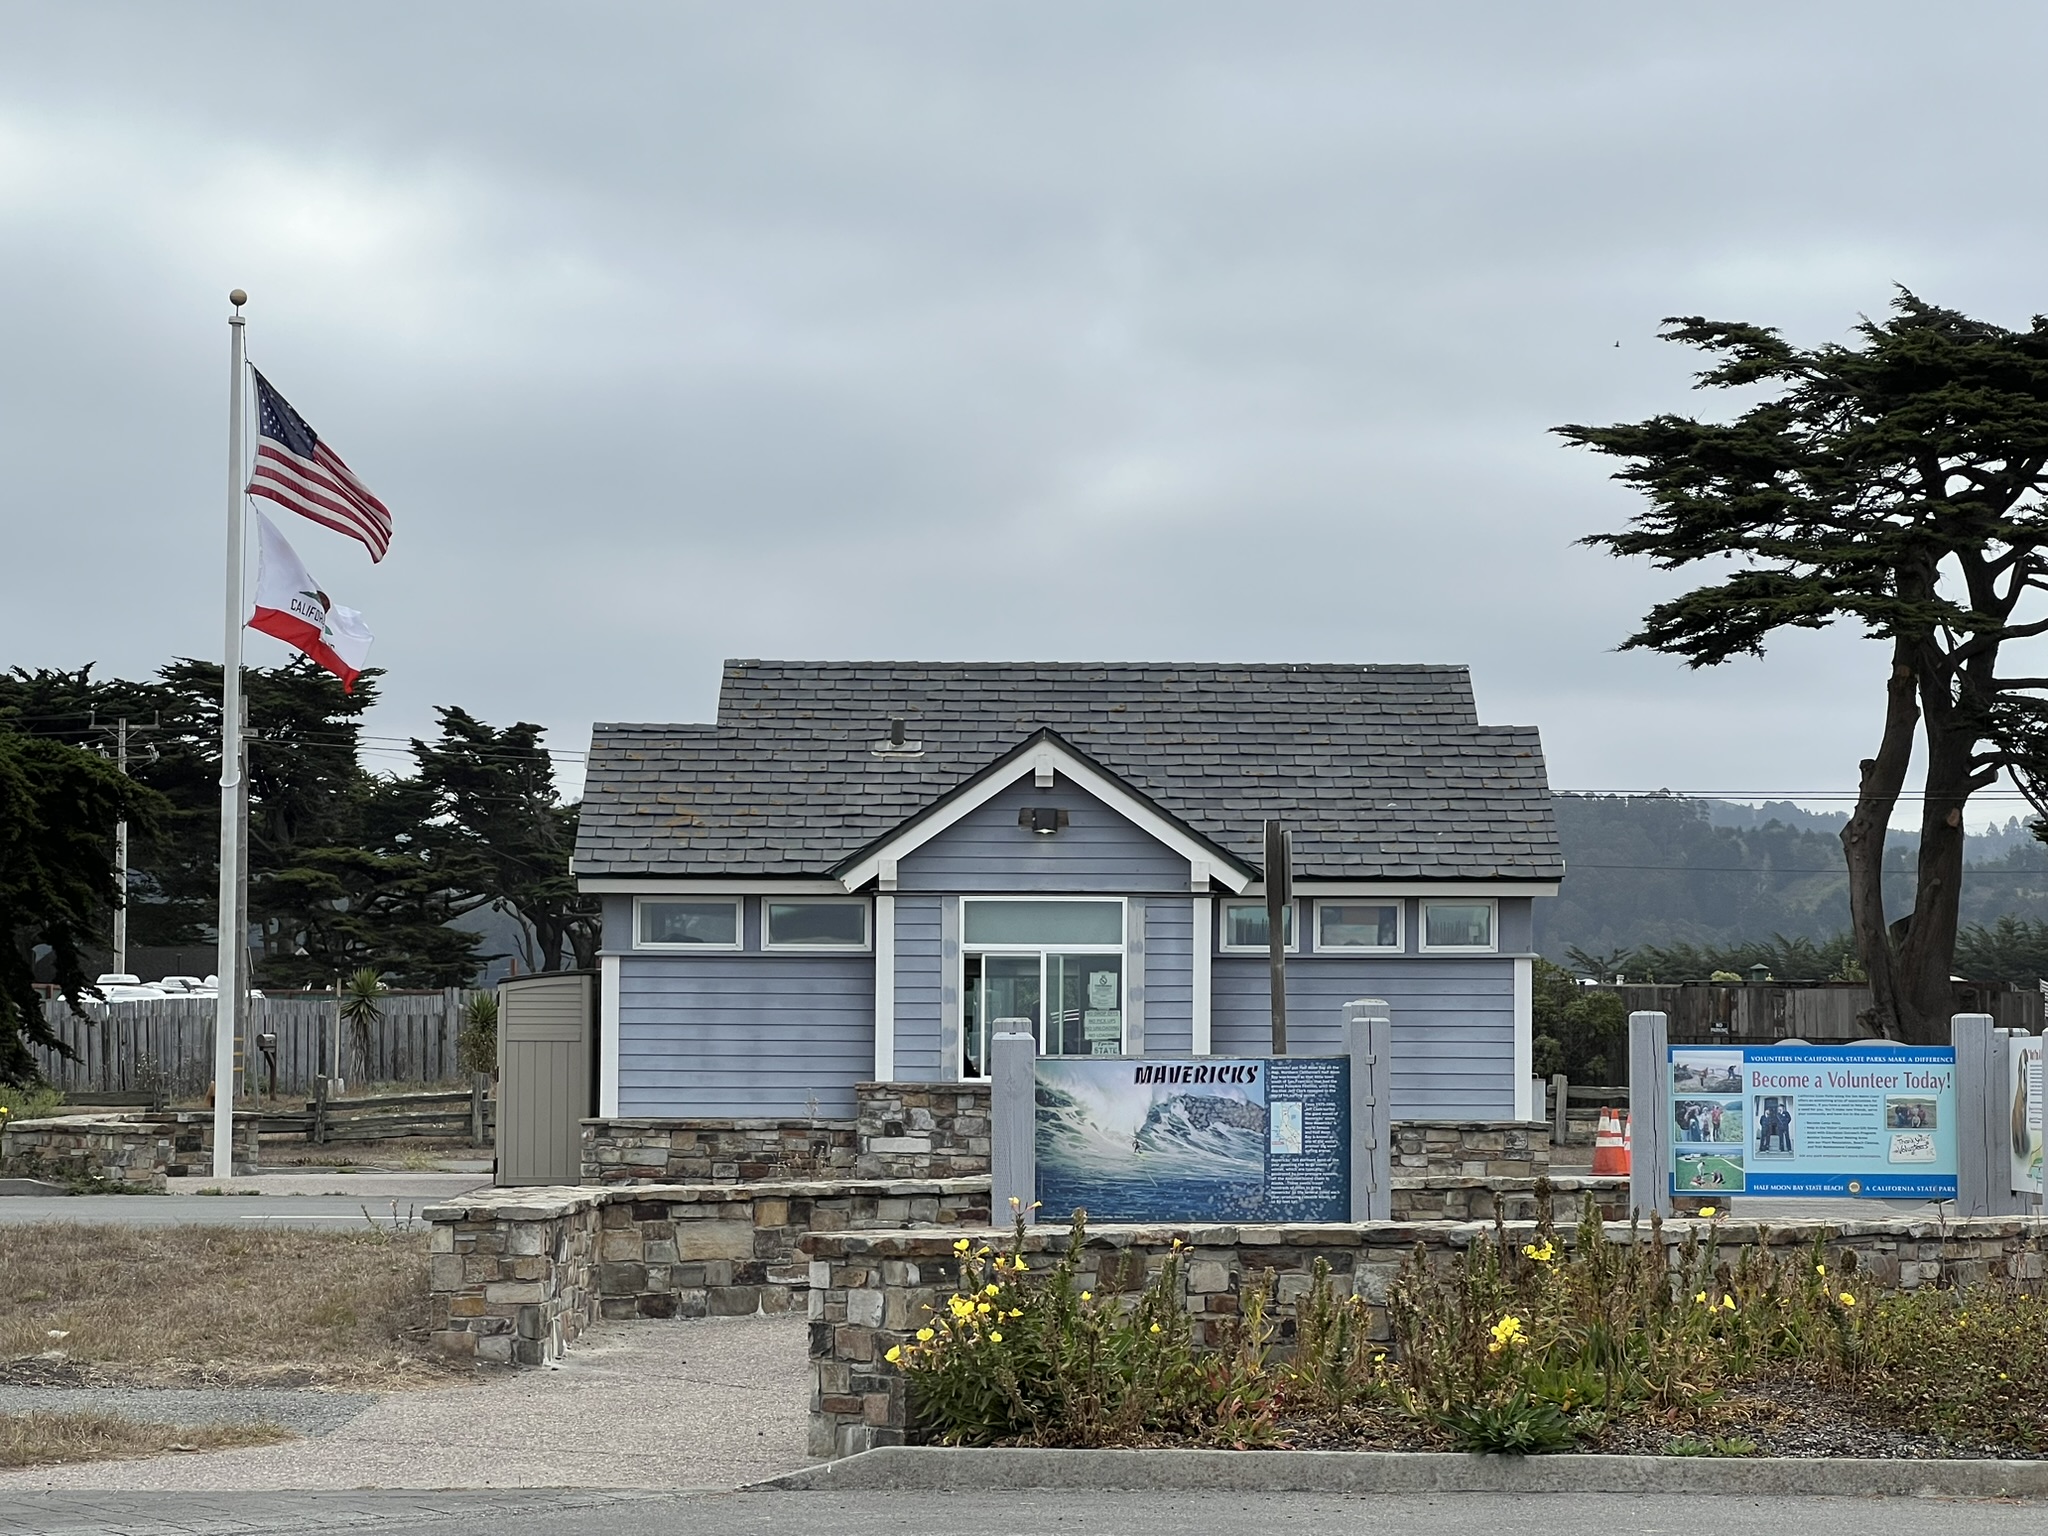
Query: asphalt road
column 1006, row 1514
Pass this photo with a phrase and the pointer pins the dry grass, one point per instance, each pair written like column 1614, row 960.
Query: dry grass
column 44, row 1439
column 207, row 1304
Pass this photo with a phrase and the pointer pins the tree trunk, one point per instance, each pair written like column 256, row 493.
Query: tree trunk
column 1877, row 796
column 1927, row 957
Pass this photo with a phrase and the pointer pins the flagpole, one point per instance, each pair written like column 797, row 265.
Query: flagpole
column 228, row 966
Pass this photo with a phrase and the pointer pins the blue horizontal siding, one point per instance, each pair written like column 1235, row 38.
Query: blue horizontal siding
column 737, row 1034
column 1454, row 1024
column 919, row 982
column 987, row 852
column 1169, row 979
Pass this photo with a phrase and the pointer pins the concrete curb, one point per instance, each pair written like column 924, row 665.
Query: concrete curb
column 931, row 1469
column 30, row 1187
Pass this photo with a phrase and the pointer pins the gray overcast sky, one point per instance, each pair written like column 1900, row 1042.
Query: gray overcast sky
column 1178, row 331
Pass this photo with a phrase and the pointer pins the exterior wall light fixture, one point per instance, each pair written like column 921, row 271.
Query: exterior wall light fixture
column 1042, row 819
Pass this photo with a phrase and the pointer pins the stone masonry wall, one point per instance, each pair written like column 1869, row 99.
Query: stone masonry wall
column 1458, row 1197
column 697, row 1151
column 870, row 1291
column 82, row 1148
column 1475, row 1148
column 516, row 1274
column 922, row 1130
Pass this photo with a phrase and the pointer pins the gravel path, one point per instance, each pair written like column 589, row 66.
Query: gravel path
column 709, row 1403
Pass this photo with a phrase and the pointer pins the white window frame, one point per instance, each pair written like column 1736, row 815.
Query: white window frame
column 1121, row 949
column 1400, row 944
column 1422, row 926
column 1225, row 947
column 739, row 926
column 867, row 925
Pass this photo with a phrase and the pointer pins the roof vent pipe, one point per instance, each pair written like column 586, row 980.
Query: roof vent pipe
column 896, row 731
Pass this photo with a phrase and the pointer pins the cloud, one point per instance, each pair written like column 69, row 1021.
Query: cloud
column 678, row 332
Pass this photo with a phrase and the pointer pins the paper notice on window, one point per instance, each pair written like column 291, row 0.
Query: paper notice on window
column 1100, row 1024
column 1102, row 989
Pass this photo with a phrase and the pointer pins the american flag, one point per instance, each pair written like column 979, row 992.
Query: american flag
column 296, row 470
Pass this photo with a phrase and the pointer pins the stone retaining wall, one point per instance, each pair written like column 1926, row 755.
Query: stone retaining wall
column 870, row 1291
column 700, row 1151
column 922, row 1130
column 518, row 1273
column 1456, row 1197
column 101, row 1149
column 1472, row 1147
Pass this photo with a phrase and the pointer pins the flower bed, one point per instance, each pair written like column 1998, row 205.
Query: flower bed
column 1610, row 1339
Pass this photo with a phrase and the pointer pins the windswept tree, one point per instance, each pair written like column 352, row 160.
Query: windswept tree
column 1896, row 483
column 58, row 806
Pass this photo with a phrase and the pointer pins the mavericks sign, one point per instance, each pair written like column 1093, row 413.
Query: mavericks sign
column 1215, row 1139
column 1876, row 1121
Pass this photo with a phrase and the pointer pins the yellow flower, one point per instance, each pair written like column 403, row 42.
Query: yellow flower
column 1505, row 1332
column 1087, row 1295
column 962, row 1246
column 1728, row 1303
column 1847, row 1300
column 1820, row 1269
column 1699, row 1296
column 1015, row 1203
column 1542, row 1252
column 1708, row 1210
column 924, row 1335
column 995, row 1338
column 983, row 1252
column 894, row 1354
column 990, row 1290
column 1155, row 1327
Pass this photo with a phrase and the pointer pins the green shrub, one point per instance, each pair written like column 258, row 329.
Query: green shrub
column 29, row 1101
column 1022, row 1358
column 476, row 1048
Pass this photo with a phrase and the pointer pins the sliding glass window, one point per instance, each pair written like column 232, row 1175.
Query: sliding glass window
column 1054, row 968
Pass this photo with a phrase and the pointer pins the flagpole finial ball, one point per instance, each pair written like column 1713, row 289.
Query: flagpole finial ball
column 237, row 298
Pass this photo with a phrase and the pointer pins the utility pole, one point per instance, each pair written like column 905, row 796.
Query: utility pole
column 1279, row 901
column 120, row 731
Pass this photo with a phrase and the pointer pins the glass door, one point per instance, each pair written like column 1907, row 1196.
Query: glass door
column 1085, row 1013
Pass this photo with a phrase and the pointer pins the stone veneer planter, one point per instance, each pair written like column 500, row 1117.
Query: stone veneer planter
column 516, row 1274
column 871, row 1290
column 922, row 1130
column 622, row 1150
column 105, row 1149
column 1476, row 1148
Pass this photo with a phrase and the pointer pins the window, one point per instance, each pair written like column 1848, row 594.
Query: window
column 1244, row 927
column 665, row 924
column 1358, row 925
column 1464, row 925
column 1044, row 922
column 1058, row 966
column 816, row 925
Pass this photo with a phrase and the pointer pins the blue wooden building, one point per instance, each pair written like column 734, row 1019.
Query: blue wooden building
column 859, row 866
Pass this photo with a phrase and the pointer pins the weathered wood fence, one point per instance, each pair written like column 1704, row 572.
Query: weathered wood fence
column 1701, row 1013
column 165, row 1045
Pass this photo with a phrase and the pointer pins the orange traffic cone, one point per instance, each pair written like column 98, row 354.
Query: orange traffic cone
column 1628, row 1142
column 1610, row 1156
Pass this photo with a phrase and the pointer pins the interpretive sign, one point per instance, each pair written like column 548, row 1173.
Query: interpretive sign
column 1875, row 1121
column 2023, row 1093
column 1262, row 1139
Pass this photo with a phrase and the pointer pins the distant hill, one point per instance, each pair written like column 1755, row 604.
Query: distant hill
column 1668, row 870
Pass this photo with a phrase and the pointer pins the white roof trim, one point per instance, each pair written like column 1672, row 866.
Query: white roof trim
column 704, row 885
column 1044, row 755
column 1450, row 888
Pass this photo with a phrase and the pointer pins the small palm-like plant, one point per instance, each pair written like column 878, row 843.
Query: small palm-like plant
column 362, row 1006
column 476, row 1050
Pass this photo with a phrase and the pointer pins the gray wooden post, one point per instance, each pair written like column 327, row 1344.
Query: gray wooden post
column 1649, row 1089
column 1013, row 1112
column 1560, row 1102
column 1369, row 1038
column 1983, row 1180
column 477, row 1083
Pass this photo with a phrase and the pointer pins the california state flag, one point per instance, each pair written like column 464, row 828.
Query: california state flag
column 291, row 606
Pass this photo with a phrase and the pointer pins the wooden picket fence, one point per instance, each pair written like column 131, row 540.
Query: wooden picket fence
column 163, row 1047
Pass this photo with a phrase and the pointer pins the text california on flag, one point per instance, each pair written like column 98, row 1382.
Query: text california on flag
column 296, row 470
column 291, row 607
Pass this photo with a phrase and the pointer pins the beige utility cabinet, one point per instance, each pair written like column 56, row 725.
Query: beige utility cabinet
column 547, row 1075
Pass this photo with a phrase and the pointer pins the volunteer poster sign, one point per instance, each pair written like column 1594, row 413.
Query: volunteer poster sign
column 1264, row 1139
column 1874, row 1121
